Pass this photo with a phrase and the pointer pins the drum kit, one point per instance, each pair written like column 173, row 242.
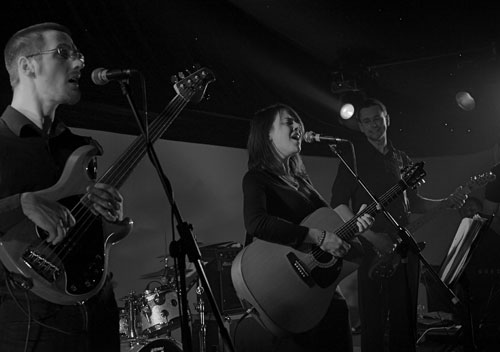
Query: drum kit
column 147, row 319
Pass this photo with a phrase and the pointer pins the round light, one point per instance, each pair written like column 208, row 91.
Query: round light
column 346, row 111
column 465, row 101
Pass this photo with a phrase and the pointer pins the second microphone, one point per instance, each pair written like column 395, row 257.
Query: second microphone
column 313, row 137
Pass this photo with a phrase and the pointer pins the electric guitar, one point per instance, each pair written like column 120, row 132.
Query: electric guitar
column 290, row 289
column 75, row 269
column 385, row 264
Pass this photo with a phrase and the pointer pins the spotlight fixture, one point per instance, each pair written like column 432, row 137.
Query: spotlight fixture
column 347, row 111
column 341, row 85
column 349, row 102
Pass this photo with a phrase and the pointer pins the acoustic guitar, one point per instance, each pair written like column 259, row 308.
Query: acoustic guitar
column 290, row 289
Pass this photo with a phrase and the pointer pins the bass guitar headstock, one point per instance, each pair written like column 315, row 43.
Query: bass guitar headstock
column 192, row 86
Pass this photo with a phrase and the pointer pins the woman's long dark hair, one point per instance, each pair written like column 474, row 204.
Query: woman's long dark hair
column 262, row 153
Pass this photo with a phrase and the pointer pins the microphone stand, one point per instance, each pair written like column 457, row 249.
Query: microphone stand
column 186, row 245
column 409, row 244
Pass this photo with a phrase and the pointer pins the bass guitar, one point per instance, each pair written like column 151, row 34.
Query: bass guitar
column 75, row 269
column 385, row 264
column 290, row 289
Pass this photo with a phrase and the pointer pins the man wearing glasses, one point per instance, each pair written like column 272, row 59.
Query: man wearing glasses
column 44, row 67
column 387, row 307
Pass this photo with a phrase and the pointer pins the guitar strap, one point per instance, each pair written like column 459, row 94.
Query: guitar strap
column 402, row 161
column 248, row 239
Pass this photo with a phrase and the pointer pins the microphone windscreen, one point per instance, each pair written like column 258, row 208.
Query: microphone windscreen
column 97, row 76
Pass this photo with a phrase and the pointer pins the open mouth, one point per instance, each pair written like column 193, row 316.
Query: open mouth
column 297, row 135
column 74, row 79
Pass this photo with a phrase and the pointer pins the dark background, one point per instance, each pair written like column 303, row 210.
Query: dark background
column 413, row 55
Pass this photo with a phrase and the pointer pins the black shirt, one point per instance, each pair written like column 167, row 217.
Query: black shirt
column 379, row 172
column 30, row 160
column 273, row 208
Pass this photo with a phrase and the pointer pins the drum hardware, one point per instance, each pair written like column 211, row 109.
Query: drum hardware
column 128, row 320
column 202, row 316
column 166, row 276
column 200, row 308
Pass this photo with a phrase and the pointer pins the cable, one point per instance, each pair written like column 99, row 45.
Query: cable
column 247, row 312
column 28, row 313
column 29, row 323
column 447, row 329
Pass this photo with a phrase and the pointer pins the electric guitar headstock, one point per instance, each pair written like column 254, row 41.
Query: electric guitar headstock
column 479, row 181
column 413, row 174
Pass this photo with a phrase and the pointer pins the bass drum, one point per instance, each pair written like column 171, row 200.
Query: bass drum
column 158, row 345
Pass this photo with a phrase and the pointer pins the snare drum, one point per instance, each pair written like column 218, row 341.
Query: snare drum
column 163, row 345
column 158, row 311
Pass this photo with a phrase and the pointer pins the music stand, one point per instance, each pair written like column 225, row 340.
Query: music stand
column 451, row 274
column 461, row 248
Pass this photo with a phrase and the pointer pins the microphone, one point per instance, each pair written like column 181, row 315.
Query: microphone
column 312, row 137
column 101, row 76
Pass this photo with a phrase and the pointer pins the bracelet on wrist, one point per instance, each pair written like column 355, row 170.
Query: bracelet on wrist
column 322, row 238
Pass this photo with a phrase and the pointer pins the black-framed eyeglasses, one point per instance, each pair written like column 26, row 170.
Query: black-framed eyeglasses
column 64, row 52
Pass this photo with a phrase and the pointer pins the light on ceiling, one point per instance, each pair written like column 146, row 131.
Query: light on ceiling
column 465, row 101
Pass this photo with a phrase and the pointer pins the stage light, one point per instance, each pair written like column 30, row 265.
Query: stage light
column 348, row 102
column 347, row 111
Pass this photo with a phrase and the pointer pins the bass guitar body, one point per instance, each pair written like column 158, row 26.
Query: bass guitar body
column 75, row 269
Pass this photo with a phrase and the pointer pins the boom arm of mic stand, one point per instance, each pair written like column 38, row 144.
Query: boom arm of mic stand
column 404, row 234
column 187, row 244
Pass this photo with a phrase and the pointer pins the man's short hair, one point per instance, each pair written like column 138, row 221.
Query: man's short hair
column 366, row 103
column 25, row 42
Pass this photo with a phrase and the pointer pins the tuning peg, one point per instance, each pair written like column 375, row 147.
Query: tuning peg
column 174, row 79
column 181, row 75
